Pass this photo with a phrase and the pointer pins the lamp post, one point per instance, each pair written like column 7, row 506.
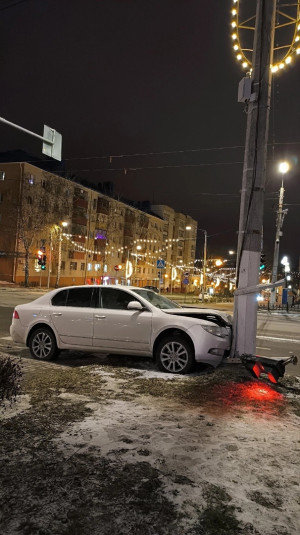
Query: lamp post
column 283, row 169
column 60, row 228
column 204, row 263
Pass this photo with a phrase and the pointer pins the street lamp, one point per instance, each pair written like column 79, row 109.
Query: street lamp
column 283, row 168
column 204, row 262
column 60, row 229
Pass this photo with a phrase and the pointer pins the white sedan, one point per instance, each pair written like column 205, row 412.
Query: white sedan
column 121, row 320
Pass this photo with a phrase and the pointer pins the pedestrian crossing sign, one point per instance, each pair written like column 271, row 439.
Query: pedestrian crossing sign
column 160, row 264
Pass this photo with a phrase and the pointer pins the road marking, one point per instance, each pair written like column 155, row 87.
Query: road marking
column 6, row 338
column 278, row 339
column 265, row 348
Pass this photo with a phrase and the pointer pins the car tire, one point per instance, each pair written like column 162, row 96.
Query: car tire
column 42, row 344
column 175, row 354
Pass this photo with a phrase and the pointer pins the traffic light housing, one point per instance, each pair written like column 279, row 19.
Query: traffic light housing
column 273, row 368
column 44, row 262
column 40, row 257
column 262, row 261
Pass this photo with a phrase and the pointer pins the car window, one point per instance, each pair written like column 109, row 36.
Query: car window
column 82, row 297
column 155, row 299
column 115, row 299
column 59, row 299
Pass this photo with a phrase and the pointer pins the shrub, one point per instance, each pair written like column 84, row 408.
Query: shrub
column 10, row 379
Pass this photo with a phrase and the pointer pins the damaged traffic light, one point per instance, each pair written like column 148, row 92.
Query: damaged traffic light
column 273, row 368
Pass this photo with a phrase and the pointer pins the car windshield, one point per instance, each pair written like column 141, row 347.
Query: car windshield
column 156, row 299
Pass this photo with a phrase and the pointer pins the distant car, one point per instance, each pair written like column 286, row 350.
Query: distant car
column 152, row 288
column 121, row 320
column 205, row 297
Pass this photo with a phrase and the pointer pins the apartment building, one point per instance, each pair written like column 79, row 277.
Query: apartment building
column 56, row 232
column 179, row 237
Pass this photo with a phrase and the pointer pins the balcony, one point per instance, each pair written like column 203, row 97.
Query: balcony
column 80, row 203
column 79, row 220
column 102, row 206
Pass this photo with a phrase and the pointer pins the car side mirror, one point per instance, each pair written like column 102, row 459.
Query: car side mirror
column 135, row 305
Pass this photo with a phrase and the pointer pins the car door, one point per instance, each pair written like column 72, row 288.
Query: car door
column 117, row 328
column 72, row 313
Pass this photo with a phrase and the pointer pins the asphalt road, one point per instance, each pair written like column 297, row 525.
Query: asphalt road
column 278, row 334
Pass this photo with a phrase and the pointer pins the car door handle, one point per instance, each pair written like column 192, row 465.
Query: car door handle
column 57, row 314
column 100, row 317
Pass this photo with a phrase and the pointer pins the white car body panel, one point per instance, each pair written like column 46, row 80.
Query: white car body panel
column 74, row 326
column 128, row 330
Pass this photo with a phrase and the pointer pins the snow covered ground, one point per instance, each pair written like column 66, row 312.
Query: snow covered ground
column 158, row 454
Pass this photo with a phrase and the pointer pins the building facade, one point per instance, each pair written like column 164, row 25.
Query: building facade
column 56, row 232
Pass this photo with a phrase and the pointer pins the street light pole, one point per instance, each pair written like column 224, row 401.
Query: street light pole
column 253, row 184
column 204, row 263
column 50, row 259
column 283, row 168
column 63, row 224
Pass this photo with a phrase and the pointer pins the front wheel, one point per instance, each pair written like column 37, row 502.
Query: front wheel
column 174, row 354
column 42, row 344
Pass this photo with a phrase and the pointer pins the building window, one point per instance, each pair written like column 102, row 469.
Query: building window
column 89, row 267
column 97, row 267
column 2, row 175
column 73, row 266
column 31, row 179
column 82, row 266
column 43, row 183
column 94, row 204
column 29, row 200
column 1, row 198
column 63, row 265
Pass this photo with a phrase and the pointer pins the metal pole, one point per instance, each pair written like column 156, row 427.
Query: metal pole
column 279, row 222
column 50, row 260
column 253, row 184
column 48, row 141
column 204, row 264
column 59, row 258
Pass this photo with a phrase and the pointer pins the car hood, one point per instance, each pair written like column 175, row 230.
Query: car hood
column 201, row 313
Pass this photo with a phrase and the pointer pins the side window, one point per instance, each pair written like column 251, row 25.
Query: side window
column 81, row 297
column 115, row 299
column 59, row 300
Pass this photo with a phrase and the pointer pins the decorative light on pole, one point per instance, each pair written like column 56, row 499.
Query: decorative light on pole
column 243, row 20
column 283, row 168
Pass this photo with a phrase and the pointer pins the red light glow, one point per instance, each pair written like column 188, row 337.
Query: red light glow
column 251, row 395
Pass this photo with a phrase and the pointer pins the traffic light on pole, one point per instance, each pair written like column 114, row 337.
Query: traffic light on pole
column 40, row 257
column 44, row 262
column 262, row 261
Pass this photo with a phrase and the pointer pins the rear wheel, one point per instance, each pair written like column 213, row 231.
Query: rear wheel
column 174, row 354
column 42, row 344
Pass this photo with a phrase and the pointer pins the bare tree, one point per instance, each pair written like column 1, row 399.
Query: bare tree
column 43, row 202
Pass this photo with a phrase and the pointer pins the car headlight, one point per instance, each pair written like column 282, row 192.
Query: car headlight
column 215, row 330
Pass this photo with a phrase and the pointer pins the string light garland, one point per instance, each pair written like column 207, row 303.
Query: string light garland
column 288, row 51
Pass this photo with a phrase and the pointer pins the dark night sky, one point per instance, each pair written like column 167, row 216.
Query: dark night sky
column 123, row 77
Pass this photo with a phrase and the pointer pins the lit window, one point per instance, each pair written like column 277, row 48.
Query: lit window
column 89, row 267
column 2, row 175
